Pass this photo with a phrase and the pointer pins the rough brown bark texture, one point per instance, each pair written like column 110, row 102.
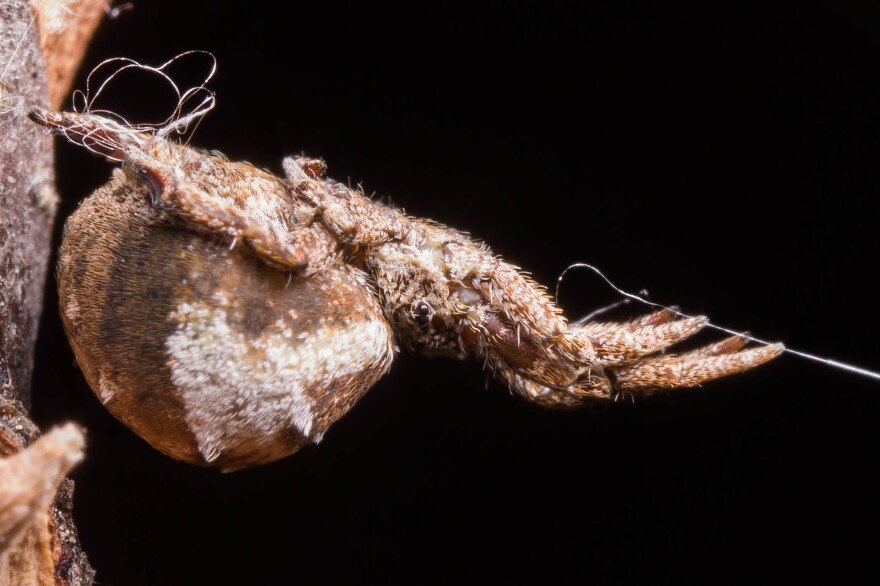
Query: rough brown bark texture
column 27, row 210
column 27, row 197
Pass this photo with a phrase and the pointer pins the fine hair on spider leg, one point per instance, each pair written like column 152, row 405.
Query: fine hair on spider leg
column 642, row 299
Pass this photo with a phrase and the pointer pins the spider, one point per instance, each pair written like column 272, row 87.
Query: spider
column 230, row 316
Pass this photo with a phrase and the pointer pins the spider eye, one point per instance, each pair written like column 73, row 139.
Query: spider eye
column 422, row 313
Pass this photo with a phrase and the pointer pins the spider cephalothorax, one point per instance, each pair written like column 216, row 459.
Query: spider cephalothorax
column 230, row 316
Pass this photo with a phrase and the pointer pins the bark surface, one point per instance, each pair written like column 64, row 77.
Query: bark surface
column 47, row 551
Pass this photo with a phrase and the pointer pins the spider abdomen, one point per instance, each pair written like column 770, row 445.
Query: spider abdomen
column 208, row 353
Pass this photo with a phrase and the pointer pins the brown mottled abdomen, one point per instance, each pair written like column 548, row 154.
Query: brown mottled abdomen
column 206, row 352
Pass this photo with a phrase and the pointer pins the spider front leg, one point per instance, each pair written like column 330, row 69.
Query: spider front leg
column 657, row 373
column 629, row 354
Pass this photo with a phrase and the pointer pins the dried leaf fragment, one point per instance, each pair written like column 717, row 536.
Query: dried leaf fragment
column 28, row 483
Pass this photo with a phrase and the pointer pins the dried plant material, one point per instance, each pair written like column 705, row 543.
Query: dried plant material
column 65, row 28
column 28, row 485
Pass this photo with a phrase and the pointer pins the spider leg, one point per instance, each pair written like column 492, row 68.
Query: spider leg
column 692, row 368
column 645, row 376
column 299, row 249
column 593, row 389
column 351, row 216
column 208, row 194
column 623, row 343
column 653, row 319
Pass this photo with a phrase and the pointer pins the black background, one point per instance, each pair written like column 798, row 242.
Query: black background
column 723, row 157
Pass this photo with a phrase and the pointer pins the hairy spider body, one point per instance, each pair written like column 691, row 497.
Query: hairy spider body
column 230, row 316
column 211, row 356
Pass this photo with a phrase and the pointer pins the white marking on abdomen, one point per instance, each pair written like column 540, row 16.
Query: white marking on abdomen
column 238, row 389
